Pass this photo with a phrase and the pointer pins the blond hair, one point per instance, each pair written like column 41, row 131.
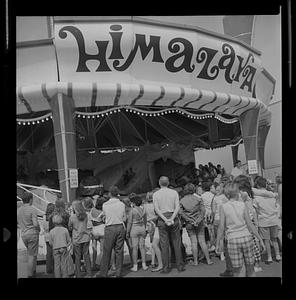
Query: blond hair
column 231, row 191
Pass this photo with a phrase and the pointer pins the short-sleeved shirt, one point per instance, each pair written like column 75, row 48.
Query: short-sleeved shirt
column 267, row 211
column 59, row 237
column 80, row 232
column 114, row 211
column 25, row 216
column 192, row 207
column 166, row 199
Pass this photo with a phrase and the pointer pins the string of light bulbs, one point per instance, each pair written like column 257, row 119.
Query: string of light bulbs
column 34, row 121
column 134, row 110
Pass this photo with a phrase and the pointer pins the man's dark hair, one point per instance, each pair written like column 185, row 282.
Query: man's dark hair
column 137, row 200
column 260, row 182
column 206, row 185
column 26, row 197
column 114, row 191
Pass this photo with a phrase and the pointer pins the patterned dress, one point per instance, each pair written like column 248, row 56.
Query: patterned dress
column 257, row 253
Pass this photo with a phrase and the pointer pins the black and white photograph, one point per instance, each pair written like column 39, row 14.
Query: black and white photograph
column 149, row 146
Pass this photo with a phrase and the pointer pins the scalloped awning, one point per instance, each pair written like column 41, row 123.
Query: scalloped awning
column 36, row 98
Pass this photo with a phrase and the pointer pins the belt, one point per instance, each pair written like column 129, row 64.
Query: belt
column 114, row 225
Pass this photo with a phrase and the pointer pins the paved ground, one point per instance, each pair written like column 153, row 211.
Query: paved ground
column 202, row 270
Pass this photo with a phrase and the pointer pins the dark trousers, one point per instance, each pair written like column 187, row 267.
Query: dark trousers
column 82, row 248
column 49, row 259
column 113, row 239
column 183, row 250
column 165, row 234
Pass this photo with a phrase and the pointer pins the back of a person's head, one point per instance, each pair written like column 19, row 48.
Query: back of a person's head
column 226, row 179
column 79, row 210
column 260, row 182
column 57, row 219
column 137, row 200
column 206, row 185
column 49, row 209
column 164, row 181
column 60, row 204
column 88, row 203
column 99, row 203
column 149, row 197
column 189, row 189
column 114, row 192
column 231, row 191
column 27, row 197
column 244, row 184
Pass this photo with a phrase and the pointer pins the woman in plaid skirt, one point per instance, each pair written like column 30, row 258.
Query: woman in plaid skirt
column 234, row 217
column 247, row 195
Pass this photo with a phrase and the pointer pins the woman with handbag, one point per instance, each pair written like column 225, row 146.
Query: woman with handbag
column 192, row 211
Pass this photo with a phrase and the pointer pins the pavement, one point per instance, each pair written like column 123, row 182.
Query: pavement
column 202, row 270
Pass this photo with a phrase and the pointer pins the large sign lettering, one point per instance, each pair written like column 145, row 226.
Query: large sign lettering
column 103, row 53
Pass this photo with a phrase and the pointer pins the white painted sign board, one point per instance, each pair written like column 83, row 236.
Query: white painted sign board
column 252, row 166
column 73, row 174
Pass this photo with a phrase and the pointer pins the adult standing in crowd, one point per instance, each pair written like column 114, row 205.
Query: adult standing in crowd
column 114, row 211
column 166, row 204
column 237, row 170
column 192, row 210
column 235, row 217
column 267, row 218
column 28, row 222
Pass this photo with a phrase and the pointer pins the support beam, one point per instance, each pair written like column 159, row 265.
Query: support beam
column 262, row 135
column 249, row 128
column 63, row 114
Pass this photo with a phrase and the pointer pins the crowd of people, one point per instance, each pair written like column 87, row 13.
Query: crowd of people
column 233, row 216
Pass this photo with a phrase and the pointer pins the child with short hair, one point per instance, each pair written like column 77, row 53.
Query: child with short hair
column 80, row 237
column 59, row 239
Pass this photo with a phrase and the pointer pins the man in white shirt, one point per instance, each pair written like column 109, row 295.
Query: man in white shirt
column 237, row 170
column 166, row 204
column 114, row 211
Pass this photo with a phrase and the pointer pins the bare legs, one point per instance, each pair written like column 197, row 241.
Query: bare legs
column 136, row 243
column 156, row 251
column 203, row 245
column 31, row 266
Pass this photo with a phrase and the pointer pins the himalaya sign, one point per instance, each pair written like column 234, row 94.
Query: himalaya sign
column 113, row 49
